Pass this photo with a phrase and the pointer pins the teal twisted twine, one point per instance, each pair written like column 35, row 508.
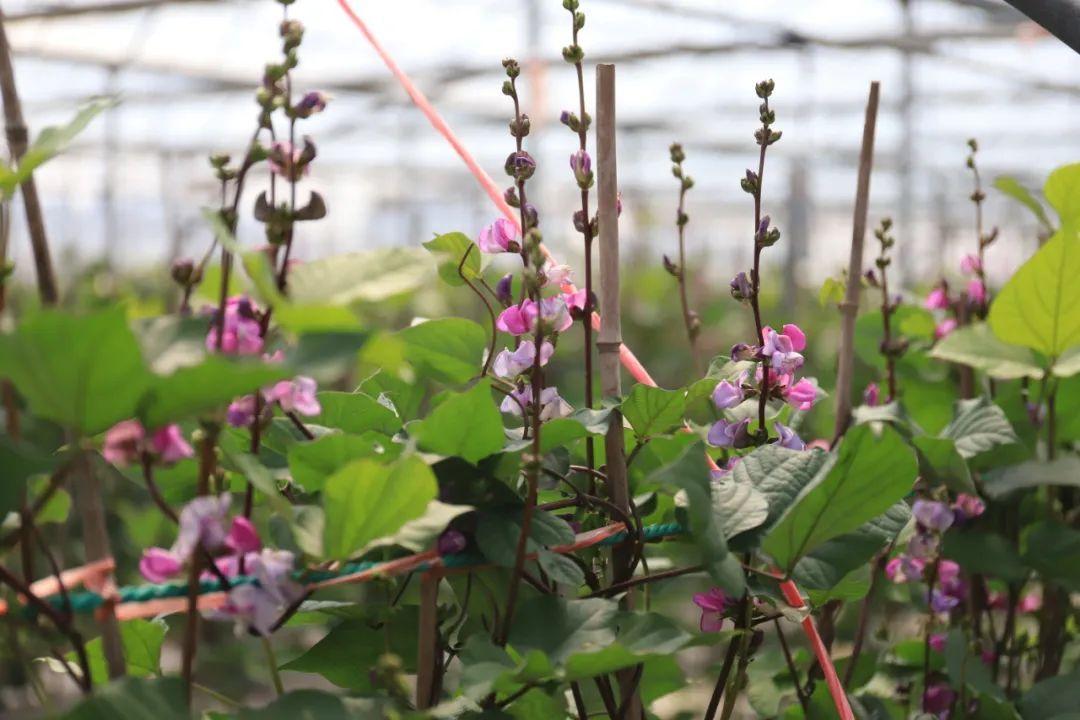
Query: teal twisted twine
column 87, row 601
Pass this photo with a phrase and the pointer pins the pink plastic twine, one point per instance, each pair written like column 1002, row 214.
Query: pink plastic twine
column 628, row 359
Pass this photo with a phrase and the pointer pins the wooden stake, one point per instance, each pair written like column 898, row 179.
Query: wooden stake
column 610, row 338
column 18, row 140
column 850, row 307
column 428, row 655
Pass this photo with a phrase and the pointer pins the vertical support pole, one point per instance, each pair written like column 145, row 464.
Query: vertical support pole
column 610, row 339
column 18, row 140
column 850, row 307
column 428, row 653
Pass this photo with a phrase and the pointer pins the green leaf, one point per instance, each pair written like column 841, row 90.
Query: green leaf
column 640, row 636
column 50, row 142
column 369, row 276
column 832, row 291
column 351, row 648
column 560, row 568
column 559, row 432
column 985, row 553
column 421, row 533
column 20, row 460
column 303, row 705
column 690, row 474
column 978, row 427
column 141, row 640
column 780, row 474
column 559, row 628
column 867, row 474
column 449, row 249
column 738, row 506
column 365, row 501
column 966, row 669
column 170, row 342
column 1053, row 550
column 1062, row 191
column 1039, row 307
column 448, row 350
column 1052, row 698
column 204, row 387
column 83, row 371
column 497, row 534
column 357, row 413
column 1064, row 471
column 977, row 346
column 260, row 477
column 466, row 425
column 134, row 699
column 835, row 561
column 311, row 463
column 1012, row 187
column 652, row 410
column 941, row 462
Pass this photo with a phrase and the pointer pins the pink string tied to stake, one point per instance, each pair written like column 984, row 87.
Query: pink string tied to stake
column 627, row 357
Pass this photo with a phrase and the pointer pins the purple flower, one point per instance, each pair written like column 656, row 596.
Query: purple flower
column 581, row 164
column 158, row 564
column 942, row 602
column 976, row 291
column 451, row 542
column 258, row 606
column 923, row 545
column 938, row 699
column 727, row 395
column 504, row 289
column 937, row 642
column 202, row 522
column 871, row 395
column 499, row 237
column 788, row 438
column 242, row 332
column 555, row 313
column 905, row 568
column 511, row 363
column 933, row 515
column 169, row 445
column 783, row 348
column 802, row 394
column 969, row 264
column 741, row 289
column 551, row 405
column 713, row 604
column 241, row 411
column 938, row 299
column 730, row 434
column 296, row 395
column 313, row 102
column 968, row 507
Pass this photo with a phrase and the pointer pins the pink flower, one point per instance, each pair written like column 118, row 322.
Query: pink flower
column 555, row 313
column 511, row 363
column 944, row 327
column 802, row 394
column 871, row 395
column 1030, row 603
column 515, row 320
column 938, row 299
column 243, row 537
column 158, row 564
column 783, row 348
column 713, row 604
column 557, row 275
column 259, row 606
column 241, row 411
column 296, row 395
column 937, row 642
column 905, row 568
column 202, row 522
column 727, row 394
column 575, row 301
column 969, row 264
column 968, row 507
column 123, row 442
column 938, row 699
column 242, row 331
column 499, row 237
column 169, row 445
column 976, row 291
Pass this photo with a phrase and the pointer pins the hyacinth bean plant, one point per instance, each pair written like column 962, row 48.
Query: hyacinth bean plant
column 313, row 509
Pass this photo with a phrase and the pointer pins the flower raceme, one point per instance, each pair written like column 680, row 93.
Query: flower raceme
column 126, row 441
column 241, row 331
column 551, row 404
column 783, row 348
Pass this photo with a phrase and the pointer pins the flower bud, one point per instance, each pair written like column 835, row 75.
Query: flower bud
column 579, row 221
column 510, row 196
column 219, row 160
column 504, row 289
column 570, row 120
column 870, row 278
column 312, row 103
column 292, row 32
column 520, row 165
column 741, row 288
column 573, row 54
column 183, row 272
column 512, row 68
column 532, row 217
column 508, row 88
column 671, row 268
column 677, row 154
column 764, row 88
column 581, row 164
column 519, row 128
column 742, row 351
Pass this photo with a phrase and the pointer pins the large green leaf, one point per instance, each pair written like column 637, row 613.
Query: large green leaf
column 20, row 461
column 1054, row 697
column 941, row 462
column 835, row 560
column 448, row 350
column 1053, row 550
column 1039, row 307
column 141, row 640
column 1064, row 471
column 421, row 533
column 209, row 385
column 977, row 346
column 311, row 463
column 450, row 249
column 467, row 425
column 979, row 427
column 559, row 627
column 780, row 474
column 367, row 276
column 1062, row 191
column 690, row 474
column 738, row 506
column 365, row 501
column 85, row 372
column 640, row 636
column 497, row 534
column 868, row 473
column 652, row 410
column 134, row 699
column 559, row 432
column 985, row 553
column 1012, row 187
column 357, row 413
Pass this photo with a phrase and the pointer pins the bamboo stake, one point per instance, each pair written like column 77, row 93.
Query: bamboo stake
column 428, row 657
column 18, row 140
column 850, row 307
column 610, row 338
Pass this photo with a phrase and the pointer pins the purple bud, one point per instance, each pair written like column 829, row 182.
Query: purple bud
column 742, row 351
column 564, row 117
column 510, row 196
column 504, row 289
column 520, row 165
column 532, row 217
column 763, row 227
column 581, row 164
column 451, row 542
column 741, row 289
column 579, row 221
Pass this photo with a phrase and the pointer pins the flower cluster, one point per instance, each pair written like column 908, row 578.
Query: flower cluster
column 974, row 296
column 126, row 442
column 236, row 549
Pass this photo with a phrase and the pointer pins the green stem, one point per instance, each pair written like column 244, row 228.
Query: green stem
column 271, row 661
